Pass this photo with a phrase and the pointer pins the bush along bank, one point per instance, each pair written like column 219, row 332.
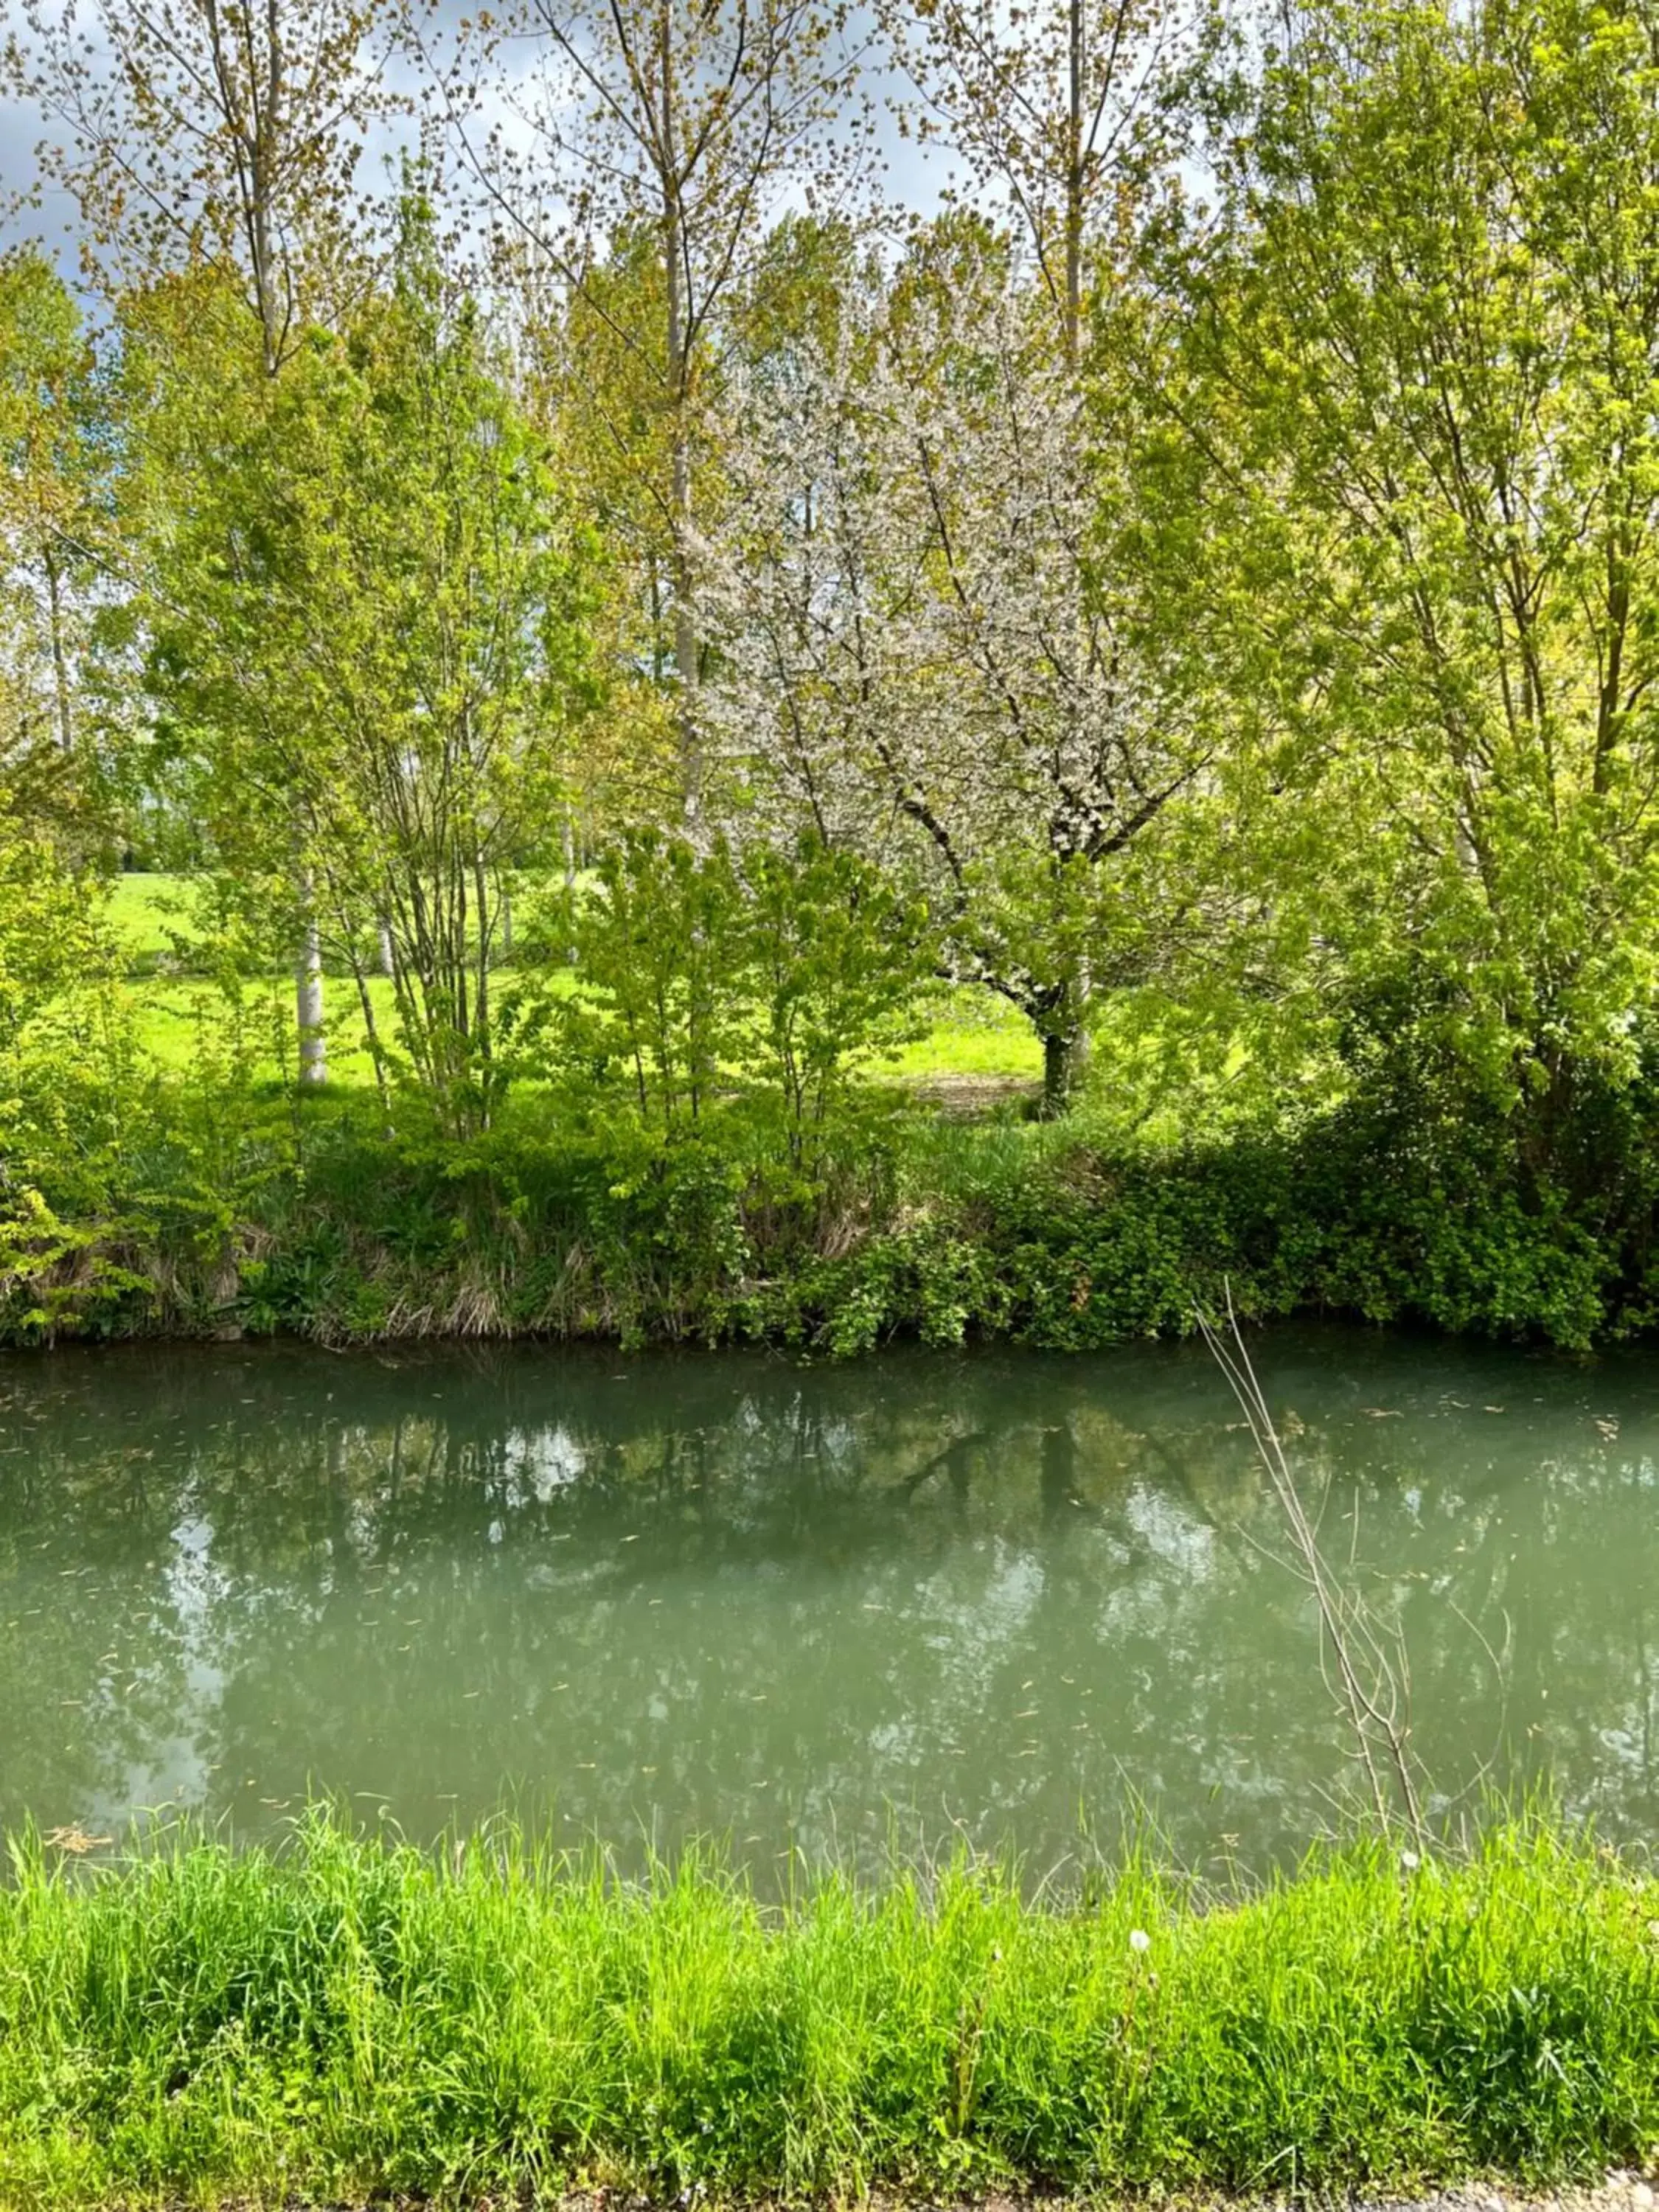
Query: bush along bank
column 1063, row 1237
column 339, row 2018
column 679, row 1136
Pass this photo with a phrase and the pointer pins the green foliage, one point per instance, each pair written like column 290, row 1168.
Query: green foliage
column 838, row 959
column 657, row 1018
column 226, row 1205
column 1294, row 732
column 342, row 2019
column 66, row 1052
column 714, row 990
column 55, row 436
column 369, row 639
column 1405, row 501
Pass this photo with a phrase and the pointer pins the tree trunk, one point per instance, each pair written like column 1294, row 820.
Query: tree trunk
column 1076, row 183
column 387, row 964
column 678, row 351
column 1065, row 1065
column 685, row 625
column 60, row 671
column 308, row 999
column 371, row 1032
column 569, row 839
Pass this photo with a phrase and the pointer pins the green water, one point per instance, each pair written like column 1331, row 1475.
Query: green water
column 824, row 1609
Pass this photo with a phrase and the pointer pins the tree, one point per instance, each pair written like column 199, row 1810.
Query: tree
column 54, row 441
column 217, row 136
column 378, row 626
column 602, row 408
column 1060, row 112
column 1053, row 107
column 921, row 656
column 677, row 126
column 1427, row 495
column 213, row 134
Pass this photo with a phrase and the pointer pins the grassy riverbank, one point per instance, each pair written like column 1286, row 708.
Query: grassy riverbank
column 342, row 2019
column 165, row 1176
column 205, row 1214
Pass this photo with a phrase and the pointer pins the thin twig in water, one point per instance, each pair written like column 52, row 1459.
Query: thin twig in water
column 1372, row 1682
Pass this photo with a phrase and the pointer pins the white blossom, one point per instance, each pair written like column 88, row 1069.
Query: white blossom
column 919, row 655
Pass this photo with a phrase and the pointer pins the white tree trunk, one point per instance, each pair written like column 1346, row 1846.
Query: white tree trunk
column 387, row 967
column 308, row 1006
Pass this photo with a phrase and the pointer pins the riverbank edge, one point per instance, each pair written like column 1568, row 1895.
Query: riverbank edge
column 1077, row 1261
column 1064, row 1236
column 342, row 2020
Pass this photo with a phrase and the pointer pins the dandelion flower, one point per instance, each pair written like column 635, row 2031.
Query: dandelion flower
column 1139, row 1940
column 1410, row 1860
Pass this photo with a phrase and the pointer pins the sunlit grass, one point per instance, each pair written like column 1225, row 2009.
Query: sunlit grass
column 176, row 1015
column 148, row 913
column 973, row 1034
column 343, row 2019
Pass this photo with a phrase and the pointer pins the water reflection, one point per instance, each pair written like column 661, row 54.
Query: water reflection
column 833, row 1608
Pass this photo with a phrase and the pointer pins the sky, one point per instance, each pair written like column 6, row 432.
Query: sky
column 912, row 175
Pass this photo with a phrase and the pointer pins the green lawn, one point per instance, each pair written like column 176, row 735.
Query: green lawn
column 972, row 1033
column 147, row 913
column 176, row 1015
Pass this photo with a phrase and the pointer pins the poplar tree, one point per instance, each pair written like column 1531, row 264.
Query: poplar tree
column 682, row 126
column 1056, row 108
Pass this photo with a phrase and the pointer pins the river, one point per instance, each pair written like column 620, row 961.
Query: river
column 812, row 1611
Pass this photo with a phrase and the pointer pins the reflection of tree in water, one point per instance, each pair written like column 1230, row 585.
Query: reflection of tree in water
column 736, row 1596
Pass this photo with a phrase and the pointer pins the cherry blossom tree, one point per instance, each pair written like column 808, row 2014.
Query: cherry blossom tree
column 922, row 655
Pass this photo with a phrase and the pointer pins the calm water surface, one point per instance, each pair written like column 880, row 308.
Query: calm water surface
column 835, row 1608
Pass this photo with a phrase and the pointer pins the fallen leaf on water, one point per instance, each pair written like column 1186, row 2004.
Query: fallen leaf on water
column 75, row 1839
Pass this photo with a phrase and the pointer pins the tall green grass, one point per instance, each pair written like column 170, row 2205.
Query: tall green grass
column 340, row 2017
